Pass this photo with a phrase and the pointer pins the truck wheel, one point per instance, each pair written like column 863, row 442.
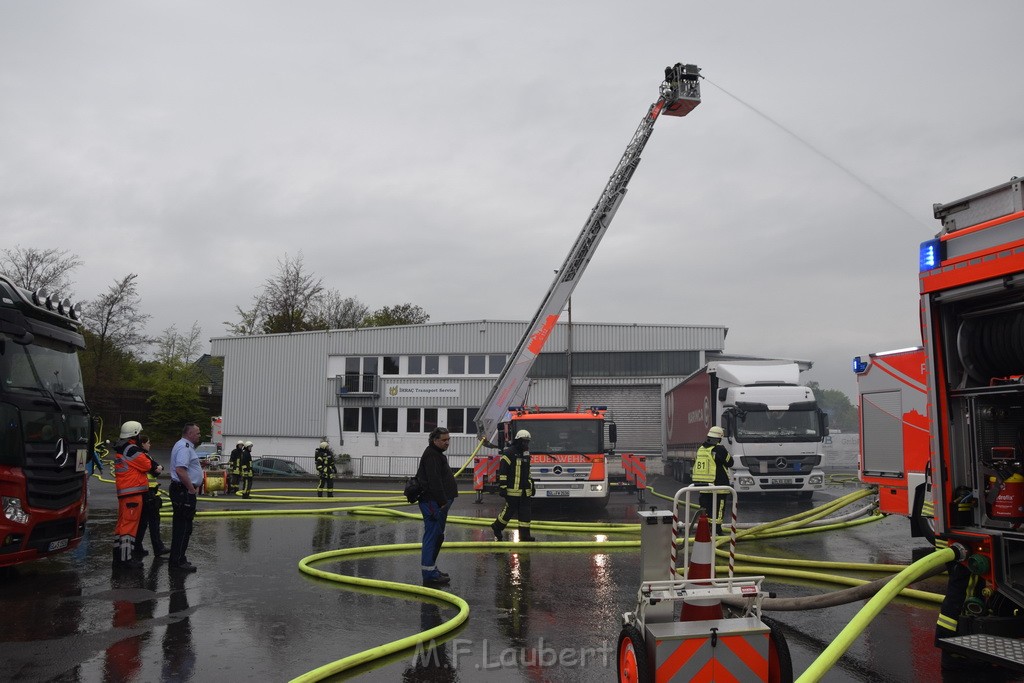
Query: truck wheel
column 633, row 664
column 805, row 495
column 780, row 663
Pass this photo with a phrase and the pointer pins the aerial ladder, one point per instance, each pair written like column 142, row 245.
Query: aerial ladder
column 679, row 94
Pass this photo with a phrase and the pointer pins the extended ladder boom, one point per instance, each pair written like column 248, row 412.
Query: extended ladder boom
column 679, row 95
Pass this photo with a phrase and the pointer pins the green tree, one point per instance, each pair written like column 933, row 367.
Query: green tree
column 402, row 314
column 176, row 381
column 841, row 413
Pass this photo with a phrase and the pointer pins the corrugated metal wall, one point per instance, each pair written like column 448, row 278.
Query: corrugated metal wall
column 277, row 385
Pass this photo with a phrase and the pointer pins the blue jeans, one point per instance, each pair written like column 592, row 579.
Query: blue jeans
column 434, row 520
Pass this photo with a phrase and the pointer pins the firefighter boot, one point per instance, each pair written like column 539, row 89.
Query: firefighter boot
column 497, row 527
column 319, row 493
column 524, row 533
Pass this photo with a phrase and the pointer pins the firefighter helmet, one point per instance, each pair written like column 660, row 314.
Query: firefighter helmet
column 248, row 444
column 523, row 434
column 240, row 443
column 323, row 444
column 716, row 433
column 130, row 428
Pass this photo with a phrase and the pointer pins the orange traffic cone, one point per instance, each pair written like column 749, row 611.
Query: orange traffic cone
column 701, row 557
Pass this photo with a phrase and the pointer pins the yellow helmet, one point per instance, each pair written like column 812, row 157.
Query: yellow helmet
column 324, row 444
column 716, row 433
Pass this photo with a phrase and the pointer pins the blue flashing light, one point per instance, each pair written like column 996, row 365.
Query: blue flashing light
column 859, row 366
column 930, row 254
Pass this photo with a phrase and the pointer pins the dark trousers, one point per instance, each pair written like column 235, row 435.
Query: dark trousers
column 326, row 482
column 183, row 504
column 150, row 520
column 434, row 520
column 518, row 507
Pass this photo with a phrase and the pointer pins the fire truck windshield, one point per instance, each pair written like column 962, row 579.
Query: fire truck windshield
column 564, row 436
column 777, row 425
column 45, row 365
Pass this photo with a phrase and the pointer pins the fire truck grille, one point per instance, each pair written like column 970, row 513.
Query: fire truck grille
column 51, row 487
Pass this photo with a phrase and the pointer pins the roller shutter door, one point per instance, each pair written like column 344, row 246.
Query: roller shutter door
column 636, row 410
column 883, row 432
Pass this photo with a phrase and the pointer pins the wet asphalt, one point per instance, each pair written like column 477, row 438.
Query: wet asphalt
column 536, row 614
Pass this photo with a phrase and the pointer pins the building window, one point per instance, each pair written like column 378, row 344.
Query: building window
column 457, row 420
column 429, row 419
column 350, row 419
column 431, row 365
column 478, row 365
column 369, row 373
column 456, row 365
column 390, row 365
column 389, row 419
column 471, row 420
column 369, row 424
column 496, row 363
column 415, row 365
column 352, row 374
column 412, row 421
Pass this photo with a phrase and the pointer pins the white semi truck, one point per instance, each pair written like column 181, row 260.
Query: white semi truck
column 773, row 426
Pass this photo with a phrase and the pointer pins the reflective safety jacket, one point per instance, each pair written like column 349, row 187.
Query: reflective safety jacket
column 712, row 464
column 514, row 473
column 324, row 459
column 245, row 462
column 234, row 461
column 131, row 465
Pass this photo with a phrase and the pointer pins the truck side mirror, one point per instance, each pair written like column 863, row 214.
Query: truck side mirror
column 14, row 324
column 823, row 422
column 613, row 433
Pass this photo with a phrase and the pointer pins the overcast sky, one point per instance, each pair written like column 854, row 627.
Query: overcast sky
column 448, row 153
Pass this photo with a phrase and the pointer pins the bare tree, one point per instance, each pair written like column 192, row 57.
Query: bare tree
column 288, row 301
column 116, row 323
column 335, row 312
column 46, row 269
column 173, row 348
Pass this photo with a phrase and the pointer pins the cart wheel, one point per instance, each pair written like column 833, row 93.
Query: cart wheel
column 780, row 664
column 633, row 664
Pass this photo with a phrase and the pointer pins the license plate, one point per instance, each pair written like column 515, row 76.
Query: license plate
column 783, row 480
column 558, row 493
column 57, row 545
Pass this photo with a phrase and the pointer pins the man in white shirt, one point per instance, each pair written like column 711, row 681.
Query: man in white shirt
column 186, row 477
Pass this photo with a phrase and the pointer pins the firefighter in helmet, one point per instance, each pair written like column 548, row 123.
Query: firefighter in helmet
column 711, row 468
column 131, row 464
column 515, row 486
column 234, row 466
column 325, row 467
column 245, row 468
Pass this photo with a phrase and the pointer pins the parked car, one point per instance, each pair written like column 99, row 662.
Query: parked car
column 209, row 456
column 278, row 467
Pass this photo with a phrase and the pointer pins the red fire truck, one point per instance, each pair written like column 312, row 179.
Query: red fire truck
column 47, row 426
column 972, row 317
column 894, row 455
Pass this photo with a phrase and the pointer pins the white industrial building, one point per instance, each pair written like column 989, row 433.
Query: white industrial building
column 376, row 392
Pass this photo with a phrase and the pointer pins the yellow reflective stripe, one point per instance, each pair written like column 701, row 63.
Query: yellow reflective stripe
column 948, row 623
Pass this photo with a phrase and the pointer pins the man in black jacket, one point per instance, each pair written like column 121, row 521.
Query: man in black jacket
column 516, row 487
column 439, row 492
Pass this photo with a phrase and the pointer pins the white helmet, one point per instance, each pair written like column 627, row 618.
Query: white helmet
column 324, row 444
column 240, row 443
column 248, row 444
column 716, row 433
column 130, row 428
column 523, row 434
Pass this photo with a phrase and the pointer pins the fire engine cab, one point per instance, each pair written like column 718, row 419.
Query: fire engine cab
column 972, row 317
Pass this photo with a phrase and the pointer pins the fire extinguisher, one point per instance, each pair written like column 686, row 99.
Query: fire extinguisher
column 1005, row 497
